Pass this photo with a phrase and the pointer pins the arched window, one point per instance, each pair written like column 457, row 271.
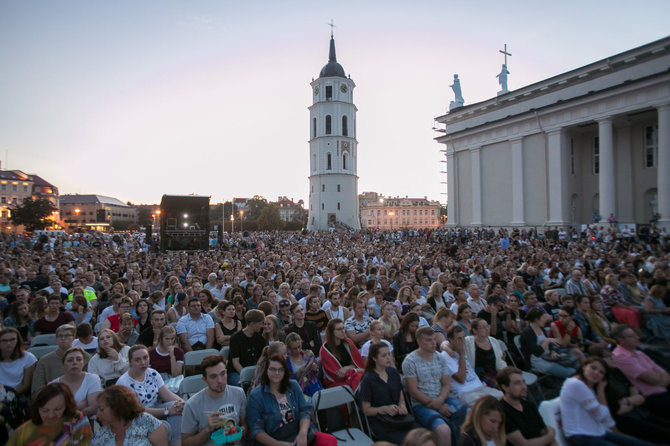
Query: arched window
column 314, row 162
column 314, row 128
column 328, row 125
column 323, row 188
column 345, row 128
column 338, row 206
column 329, row 162
column 323, row 206
column 344, row 161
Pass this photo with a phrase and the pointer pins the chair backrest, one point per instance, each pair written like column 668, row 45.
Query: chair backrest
column 43, row 339
column 332, row 397
column 550, row 411
column 196, row 357
column 247, row 374
column 191, row 385
column 224, row 352
column 561, row 291
column 42, row 350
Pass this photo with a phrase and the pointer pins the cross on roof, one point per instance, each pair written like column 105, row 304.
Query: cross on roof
column 505, row 53
column 331, row 27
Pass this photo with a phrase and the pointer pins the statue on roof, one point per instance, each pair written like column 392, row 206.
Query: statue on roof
column 458, row 95
column 502, row 80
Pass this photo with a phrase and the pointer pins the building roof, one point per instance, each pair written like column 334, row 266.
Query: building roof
column 332, row 68
column 41, row 182
column 90, row 199
column 12, row 175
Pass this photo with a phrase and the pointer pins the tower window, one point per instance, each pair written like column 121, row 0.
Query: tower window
column 323, row 188
column 344, row 161
column 329, row 92
column 329, row 162
column 328, row 125
column 572, row 156
column 338, row 188
column 314, row 128
column 323, row 206
column 345, row 129
column 650, row 146
column 338, row 206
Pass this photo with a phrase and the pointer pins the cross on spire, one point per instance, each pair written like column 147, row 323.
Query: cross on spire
column 505, row 53
column 331, row 27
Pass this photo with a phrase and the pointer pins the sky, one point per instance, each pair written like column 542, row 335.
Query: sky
column 136, row 99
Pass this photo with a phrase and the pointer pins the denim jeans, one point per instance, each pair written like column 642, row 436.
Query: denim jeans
column 233, row 378
column 431, row 419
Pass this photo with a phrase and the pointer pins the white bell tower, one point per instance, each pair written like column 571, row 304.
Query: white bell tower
column 333, row 182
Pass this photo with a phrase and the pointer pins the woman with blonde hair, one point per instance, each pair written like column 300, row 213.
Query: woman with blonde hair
column 390, row 320
column 485, row 424
column 271, row 331
column 111, row 361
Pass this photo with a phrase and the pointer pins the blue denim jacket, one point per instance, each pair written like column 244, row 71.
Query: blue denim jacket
column 263, row 409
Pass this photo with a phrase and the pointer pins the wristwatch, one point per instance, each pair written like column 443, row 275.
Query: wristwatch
column 167, row 411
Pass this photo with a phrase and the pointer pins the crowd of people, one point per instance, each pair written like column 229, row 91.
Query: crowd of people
column 432, row 330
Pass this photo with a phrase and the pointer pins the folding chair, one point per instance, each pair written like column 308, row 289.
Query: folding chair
column 42, row 350
column 550, row 411
column 193, row 359
column 246, row 376
column 531, row 379
column 190, row 386
column 538, row 375
column 224, row 352
column 43, row 339
column 335, row 397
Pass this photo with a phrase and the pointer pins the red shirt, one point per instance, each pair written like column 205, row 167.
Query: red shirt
column 44, row 326
column 161, row 363
column 115, row 322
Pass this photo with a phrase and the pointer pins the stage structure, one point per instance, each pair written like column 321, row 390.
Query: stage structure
column 184, row 223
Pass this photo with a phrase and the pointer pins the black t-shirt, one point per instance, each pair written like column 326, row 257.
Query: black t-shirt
column 146, row 337
column 247, row 349
column 529, row 422
column 379, row 393
column 483, row 314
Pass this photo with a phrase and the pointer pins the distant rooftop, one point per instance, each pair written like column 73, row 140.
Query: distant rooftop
column 90, row 199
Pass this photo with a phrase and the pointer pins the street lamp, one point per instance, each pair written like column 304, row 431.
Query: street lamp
column 232, row 224
column 241, row 221
column 391, row 218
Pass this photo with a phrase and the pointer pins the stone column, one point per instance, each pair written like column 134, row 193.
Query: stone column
column 476, row 187
column 624, row 192
column 452, row 218
column 517, row 183
column 557, row 177
column 663, row 166
column 606, row 177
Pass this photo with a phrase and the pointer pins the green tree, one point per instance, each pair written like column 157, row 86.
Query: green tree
column 144, row 216
column 269, row 219
column 33, row 214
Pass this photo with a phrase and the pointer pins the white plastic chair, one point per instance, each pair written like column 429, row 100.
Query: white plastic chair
column 224, row 352
column 43, row 339
column 190, row 386
column 194, row 358
column 336, row 397
column 42, row 350
column 550, row 411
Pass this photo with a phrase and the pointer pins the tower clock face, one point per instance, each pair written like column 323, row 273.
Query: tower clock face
column 343, row 88
column 316, row 90
column 345, row 145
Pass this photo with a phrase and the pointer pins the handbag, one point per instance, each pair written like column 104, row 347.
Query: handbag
column 398, row 422
column 289, row 432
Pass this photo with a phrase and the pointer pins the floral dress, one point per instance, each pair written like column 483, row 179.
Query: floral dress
column 309, row 380
column 137, row 433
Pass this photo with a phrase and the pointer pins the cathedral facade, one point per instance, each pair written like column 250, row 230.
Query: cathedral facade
column 592, row 141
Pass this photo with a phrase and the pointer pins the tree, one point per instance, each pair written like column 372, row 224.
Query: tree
column 33, row 214
column 269, row 219
column 144, row 216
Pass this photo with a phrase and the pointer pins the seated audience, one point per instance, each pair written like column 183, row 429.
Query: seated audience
column 111, row 361
column 142, row 314
column 390, row 320
column 277, row 410
column 381, row 393
column 483, row 352
column 166, row 357
column 309, row 333
column 358, row 324
column 341, row 361
column 196, row 329
column 227, row 326
column 657, row 314
column 19, row 318
column 428, row 382
column 568, row 333
column 444, row 318
column 465, row 384
column 127, row 334
column 541, row 349
column 52, row 410
column 303, row 366
column 84, row 386
column 149, row 387
column 204, row 411
column 523, row 423
column 16, row 372
column 404, row 341
column 484, row 425
column 376, row 336
column 271, row 331
column 599, row 323
column 113, row 322
column 149, row 335
column 246, row 346
column 54, row 318
column 79, row 308
column 125, row 421
column 585, row 417
column 85, row 339
column 314, row 313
